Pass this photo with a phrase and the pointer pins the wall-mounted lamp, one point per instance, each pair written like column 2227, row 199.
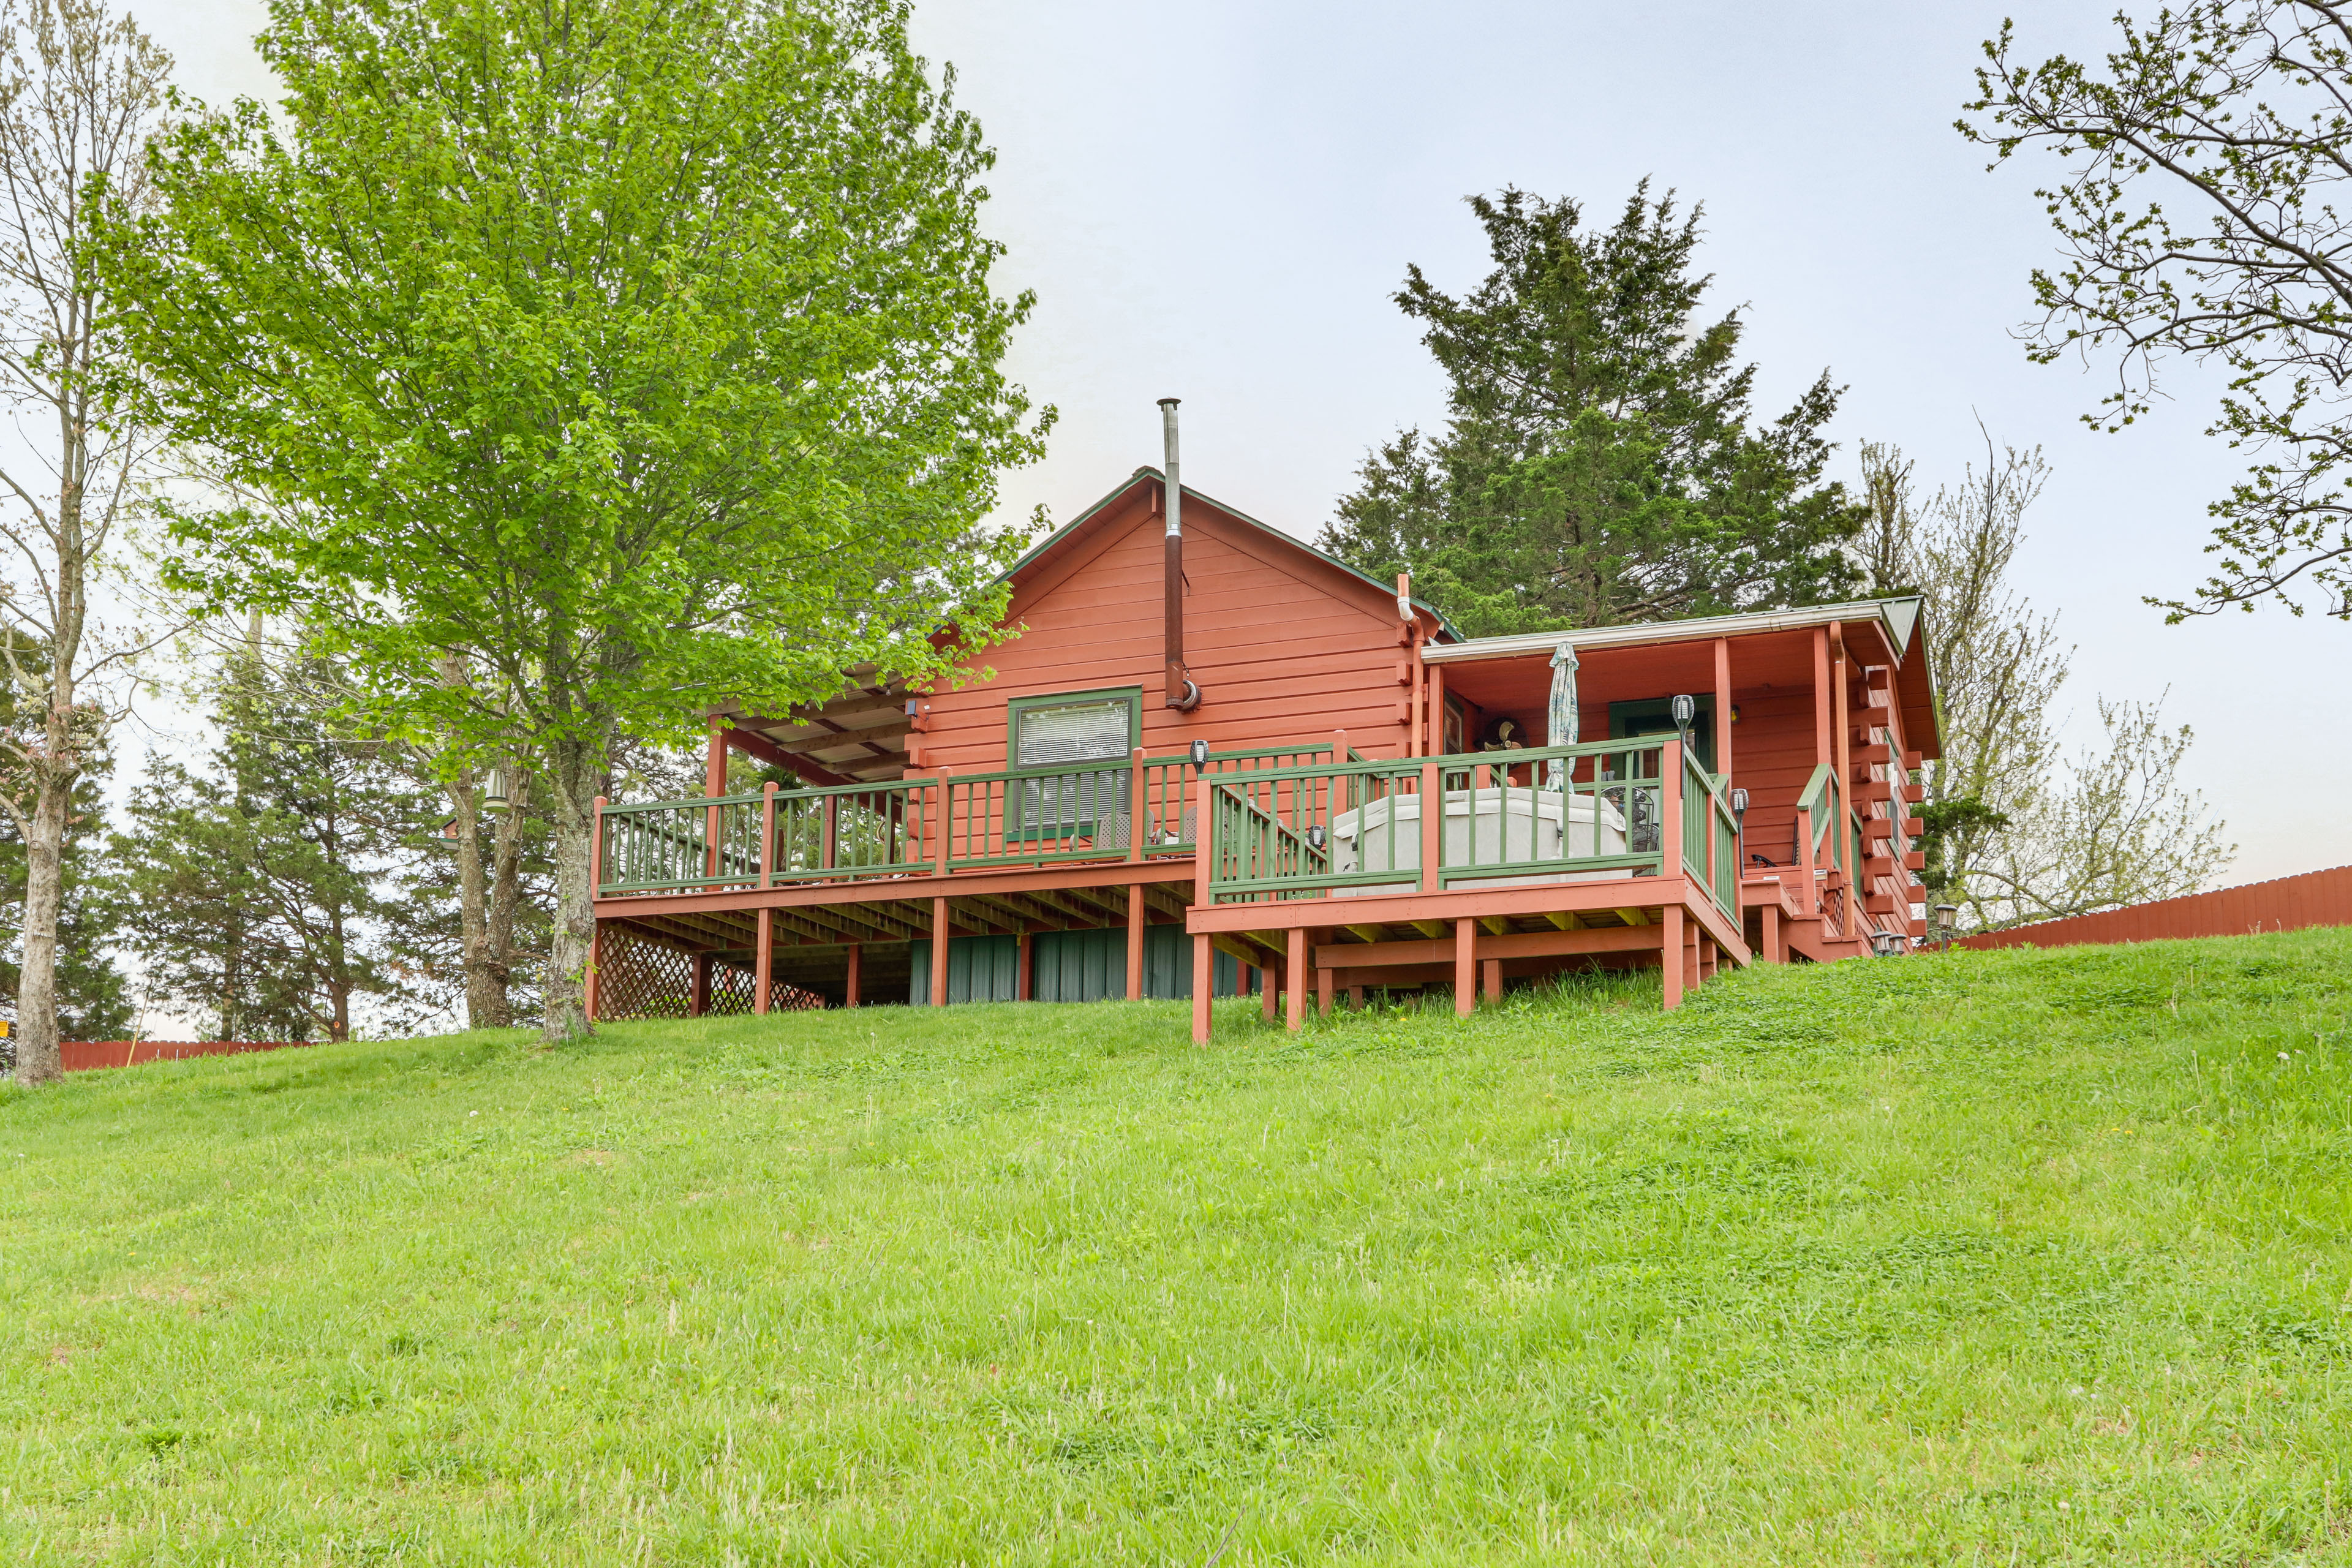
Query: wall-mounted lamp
column 1200, row 755
column 1315, row 837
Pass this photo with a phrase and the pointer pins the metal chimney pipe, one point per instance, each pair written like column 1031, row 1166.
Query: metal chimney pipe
column 1183, row 694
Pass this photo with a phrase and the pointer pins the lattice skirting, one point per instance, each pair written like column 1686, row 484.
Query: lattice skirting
column 639, row 977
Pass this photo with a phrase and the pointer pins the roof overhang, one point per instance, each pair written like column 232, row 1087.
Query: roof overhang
column 1899, row 617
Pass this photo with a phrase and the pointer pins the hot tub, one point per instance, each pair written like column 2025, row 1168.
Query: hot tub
column 1514, row 827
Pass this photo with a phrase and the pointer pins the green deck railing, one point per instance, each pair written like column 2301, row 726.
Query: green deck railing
column 1105, row 810
column 1343, row 831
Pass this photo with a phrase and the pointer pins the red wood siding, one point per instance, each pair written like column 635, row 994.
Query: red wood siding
column 1286, row 649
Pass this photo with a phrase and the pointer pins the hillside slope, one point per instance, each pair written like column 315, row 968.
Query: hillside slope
column 2021, row 1257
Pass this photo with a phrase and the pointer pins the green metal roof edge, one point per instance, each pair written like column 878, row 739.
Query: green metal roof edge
column 1147, row 471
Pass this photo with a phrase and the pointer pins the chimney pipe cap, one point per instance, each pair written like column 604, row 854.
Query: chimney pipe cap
column 1170, row 402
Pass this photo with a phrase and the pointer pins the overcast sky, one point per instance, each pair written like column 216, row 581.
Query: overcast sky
column 1216, row 201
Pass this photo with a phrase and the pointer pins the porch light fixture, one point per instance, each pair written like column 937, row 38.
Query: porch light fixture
column 1200, row 755
column 494, row 795
column 1686, row 710
column 1739, row 804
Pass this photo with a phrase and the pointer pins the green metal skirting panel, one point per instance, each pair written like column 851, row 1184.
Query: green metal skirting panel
column 979, row 969
column 1071, row 966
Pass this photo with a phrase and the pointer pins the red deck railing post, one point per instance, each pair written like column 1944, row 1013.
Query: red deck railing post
column 1670, row 810
column 1137, row 800
column 768, row 837
column 1433, row 825
column 946, row 803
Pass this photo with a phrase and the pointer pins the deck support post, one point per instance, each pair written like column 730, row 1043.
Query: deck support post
column 1269, row 991
column 1136, row 910
column 1356, row 999
column 595, row 968
column 1465, row 966
column 1669, row 955
column 698, row 1001
column 1025, row 978
column 1323, row 984
column 1490, row 981
column 853, row 982
column 1692, row 974
column 1294, row 972
column 763, row 966
column 1771, row 951
column 1204, row 974
column 939, row 944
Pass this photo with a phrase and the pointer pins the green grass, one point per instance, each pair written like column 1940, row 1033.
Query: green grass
column 2001, row 1257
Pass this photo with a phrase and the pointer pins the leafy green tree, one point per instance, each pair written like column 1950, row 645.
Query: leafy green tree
column 1602, row 462
column 2203, row 212
column 262, row 889
column 81, row 90
column 636, row 354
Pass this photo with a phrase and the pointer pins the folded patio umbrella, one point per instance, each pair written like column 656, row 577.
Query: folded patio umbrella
column 1561, row 729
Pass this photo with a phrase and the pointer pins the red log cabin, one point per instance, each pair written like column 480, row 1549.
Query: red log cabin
column 1215, row 760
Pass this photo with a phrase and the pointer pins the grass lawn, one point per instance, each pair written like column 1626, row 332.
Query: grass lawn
column 2001, row 1257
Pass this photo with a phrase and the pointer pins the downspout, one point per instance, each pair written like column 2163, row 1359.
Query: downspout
column 1183, row 694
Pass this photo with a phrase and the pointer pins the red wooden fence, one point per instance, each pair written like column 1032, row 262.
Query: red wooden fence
column 2291, row 903
column 81, row 1056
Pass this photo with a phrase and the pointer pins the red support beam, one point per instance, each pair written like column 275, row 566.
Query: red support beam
column 853, row 983
column 939, row 950
column 764, row 967
column 1137, row 909
column 1294, row 970
column 1465, row 957
column 1671, row 957
column 1204, row 970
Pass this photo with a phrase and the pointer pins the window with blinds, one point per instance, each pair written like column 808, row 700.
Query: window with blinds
column 1075, row 800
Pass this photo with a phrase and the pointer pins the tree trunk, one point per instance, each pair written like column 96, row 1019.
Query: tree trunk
column 37, row 995
column 579, row 773
column 506, row 896
column 473, row 946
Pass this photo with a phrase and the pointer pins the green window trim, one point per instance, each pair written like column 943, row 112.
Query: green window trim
column 1050, row 808
column 1655, row 715
column 1133, row 694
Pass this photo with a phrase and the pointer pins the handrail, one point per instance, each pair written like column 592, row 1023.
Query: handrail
column 1605, row 821
column 1082, row 810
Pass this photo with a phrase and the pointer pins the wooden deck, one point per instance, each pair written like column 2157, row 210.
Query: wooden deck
column 1309, row 864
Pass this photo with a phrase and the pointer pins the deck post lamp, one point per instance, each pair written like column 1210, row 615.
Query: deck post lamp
column 1686, row 710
